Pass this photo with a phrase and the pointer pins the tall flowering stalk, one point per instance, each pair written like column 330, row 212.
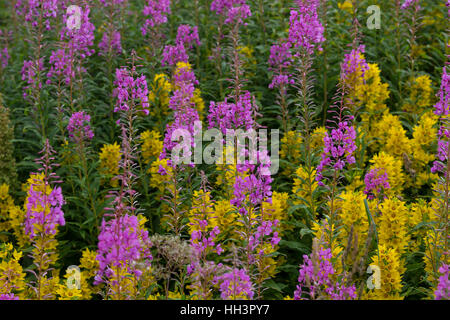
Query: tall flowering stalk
column 185, row 116
column 203, row 243
column 110, row 46
column 339, row 144
column 235, row 284
column 38, row 15
column 155, row 13
column 66, row 63
column 412, row 10
column 252, row 182
column 4, row 52
column 291, row 62
column 442, row 167
column 80, row 135
column 124, row 246
column 43, row 216
column 231, row 13
column 316, row 275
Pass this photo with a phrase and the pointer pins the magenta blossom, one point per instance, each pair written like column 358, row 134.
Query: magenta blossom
column 43, row 210
column 442, row 110
column 111, row 41
column 79, row 127
column 156, row 13
column 235, row 284
column 443, row 288
column 318, row 278
column 375, row 183
column 121, row 244
column 4, row 57
column 338, row 150
column 38, row 10
column 130, row 91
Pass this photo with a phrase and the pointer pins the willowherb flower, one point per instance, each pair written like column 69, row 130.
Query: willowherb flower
column 354, row 64
column 79, row 39
column 79, row 127
column 237, row 15
column 156, row 13
column 174, row 54
column 256, row 187
column 121, row 244
column 317, row 276
column 35, row 10
column 44, row 213
column 227, row 115
column 111, row 41
column 339, row 147
column 4, row 57
column 185, row 113
column 235, row 284
column 60, row 66
column 443, row 288
column 187, row 36
column 280, row 60
column 375, row 182
column 408, row 3
column 442, row 110
column 222, row 6
column 30, row 71
column 108, row 3
column 44, row 203
column 129, row 90
column 8, row 296
column 305, row 28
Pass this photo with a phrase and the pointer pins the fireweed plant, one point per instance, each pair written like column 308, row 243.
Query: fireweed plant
column 99, row 91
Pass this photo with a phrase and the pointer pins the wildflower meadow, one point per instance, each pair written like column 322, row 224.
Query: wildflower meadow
column 224, row 150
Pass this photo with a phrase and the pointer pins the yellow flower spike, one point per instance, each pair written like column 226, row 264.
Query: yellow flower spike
column 151, row 145
column 110, row 156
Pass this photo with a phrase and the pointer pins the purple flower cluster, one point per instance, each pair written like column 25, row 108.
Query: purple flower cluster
column 280, row 60
column 4, row 57
column 375, row 183
column 338, row 149
column 227, row 115
column 305, row 29
column 30, row 71
column 186, row 37
column 317, row 277
column 408, row 3
column 235, row 284
column 128, row 90
column 35, row 10
column 185, row 114
column 121, row 244
column 108, row 3
column 201, row 240
column 222, row 6
column 442, row 110
column 354, row 62
column 254, row 187
column 443, row 288
column 79, row 40
column 44, row 212
column 79, row 127
column 111, row 42
column 8, row 296
column 237, row 15
column 156, row 11
column 61, row 66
